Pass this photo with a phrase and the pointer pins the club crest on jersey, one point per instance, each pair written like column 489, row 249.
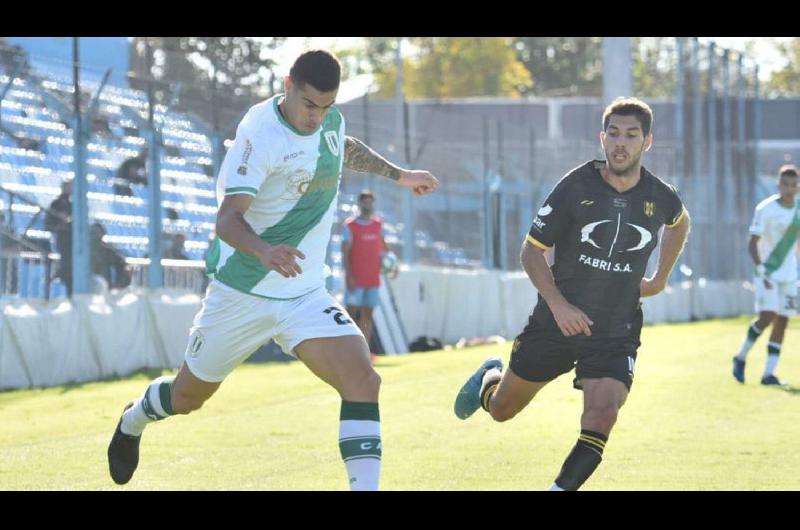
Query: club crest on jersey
column 332, row 139
column 649, row 208
column 196, row 343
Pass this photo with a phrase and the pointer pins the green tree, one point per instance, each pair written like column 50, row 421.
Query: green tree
column 241, row 65
column 220, row 76
column 439, row 67
column 562, row 66
column 786, row 81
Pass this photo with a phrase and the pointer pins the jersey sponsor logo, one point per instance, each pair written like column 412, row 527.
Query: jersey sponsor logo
column 292, row 156
column 586, row 202
column 332, row 139
column 248, row 150
column 649, row 208
column 545, row 210
column 644, row 235
column 538, row 223
column 604, row 265
column 619, row 203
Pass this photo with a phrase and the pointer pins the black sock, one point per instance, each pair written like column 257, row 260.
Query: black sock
column 582, row 461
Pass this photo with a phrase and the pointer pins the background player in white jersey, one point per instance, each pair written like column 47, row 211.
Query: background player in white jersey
column 773, row 234
column 277, row 191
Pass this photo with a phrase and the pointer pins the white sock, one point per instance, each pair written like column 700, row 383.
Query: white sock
column 360, row 444
column 155, row 404
column 555, row 487
column 773, row 355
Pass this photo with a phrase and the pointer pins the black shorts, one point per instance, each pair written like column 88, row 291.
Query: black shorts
column 540, row 355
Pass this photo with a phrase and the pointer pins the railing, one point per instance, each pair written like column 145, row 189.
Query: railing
column 178, row 273
column 26, row 274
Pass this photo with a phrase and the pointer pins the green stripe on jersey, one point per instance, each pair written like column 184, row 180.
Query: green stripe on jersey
column 243, row 271
column 241, row 189
column 785, row 245
column 212, row 258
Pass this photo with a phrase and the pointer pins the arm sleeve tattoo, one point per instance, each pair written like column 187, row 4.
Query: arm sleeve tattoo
column 360, row 157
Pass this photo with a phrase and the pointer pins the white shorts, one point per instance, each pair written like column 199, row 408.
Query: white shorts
column 232, row 325
column 781, row 299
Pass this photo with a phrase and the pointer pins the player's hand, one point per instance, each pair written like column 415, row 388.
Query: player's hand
column 571, row 320
column 767, row 283
column 651, row 286
column 420, row 182
column 281, row 259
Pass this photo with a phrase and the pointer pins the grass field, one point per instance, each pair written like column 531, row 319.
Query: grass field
column 687, row 426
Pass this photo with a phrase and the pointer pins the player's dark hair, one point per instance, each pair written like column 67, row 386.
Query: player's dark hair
column 366, row 194
column 788, row 170
column 630, row 107
column 318, row 68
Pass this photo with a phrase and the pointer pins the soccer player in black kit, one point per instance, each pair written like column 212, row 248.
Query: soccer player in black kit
column 602, row 221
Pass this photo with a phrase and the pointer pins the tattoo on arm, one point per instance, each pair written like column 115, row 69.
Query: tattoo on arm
column 359, row 157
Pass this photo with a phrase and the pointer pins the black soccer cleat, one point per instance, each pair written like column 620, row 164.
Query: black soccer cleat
column 123, row 453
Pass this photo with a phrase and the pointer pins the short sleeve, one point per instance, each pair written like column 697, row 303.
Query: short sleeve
column 757, row 226
column 246, row 164
column 674, row 208
column 552, row 218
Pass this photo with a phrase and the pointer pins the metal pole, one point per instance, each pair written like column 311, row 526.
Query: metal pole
column 756, row 126
column 80, row 210
column 408, row 211
column 741, row 168
column 726, row 190
column 712, row 162
column 369, row 181
column 155, row 273
column 696, row 110
column 502, row 243
column 679, row 105
column 488, row 260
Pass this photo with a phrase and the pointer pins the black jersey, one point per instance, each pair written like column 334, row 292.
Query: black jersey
column 602, row 241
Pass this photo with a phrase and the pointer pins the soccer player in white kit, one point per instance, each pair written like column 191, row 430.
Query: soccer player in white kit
column 277, row 192
column 773, row 234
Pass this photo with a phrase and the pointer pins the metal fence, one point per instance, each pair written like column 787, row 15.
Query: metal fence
column 496, row 160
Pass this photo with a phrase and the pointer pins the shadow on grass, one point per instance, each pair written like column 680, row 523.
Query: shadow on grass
column 789, row 389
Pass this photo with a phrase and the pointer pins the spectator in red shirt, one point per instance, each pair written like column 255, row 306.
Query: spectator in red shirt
column 363, row 246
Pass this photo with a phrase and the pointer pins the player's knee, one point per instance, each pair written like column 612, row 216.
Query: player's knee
column 363, row 386
column 372, row 382
column 184, row 402
column 501, row 412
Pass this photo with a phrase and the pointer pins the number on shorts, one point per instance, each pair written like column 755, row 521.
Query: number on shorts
column 338, row 315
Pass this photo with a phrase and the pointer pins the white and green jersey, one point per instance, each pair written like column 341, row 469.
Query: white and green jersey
column 294, row 178
column 777, row 227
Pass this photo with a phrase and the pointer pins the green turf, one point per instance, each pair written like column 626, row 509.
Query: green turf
column 687, row 426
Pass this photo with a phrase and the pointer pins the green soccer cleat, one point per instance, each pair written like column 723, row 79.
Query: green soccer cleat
column 468, row 399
